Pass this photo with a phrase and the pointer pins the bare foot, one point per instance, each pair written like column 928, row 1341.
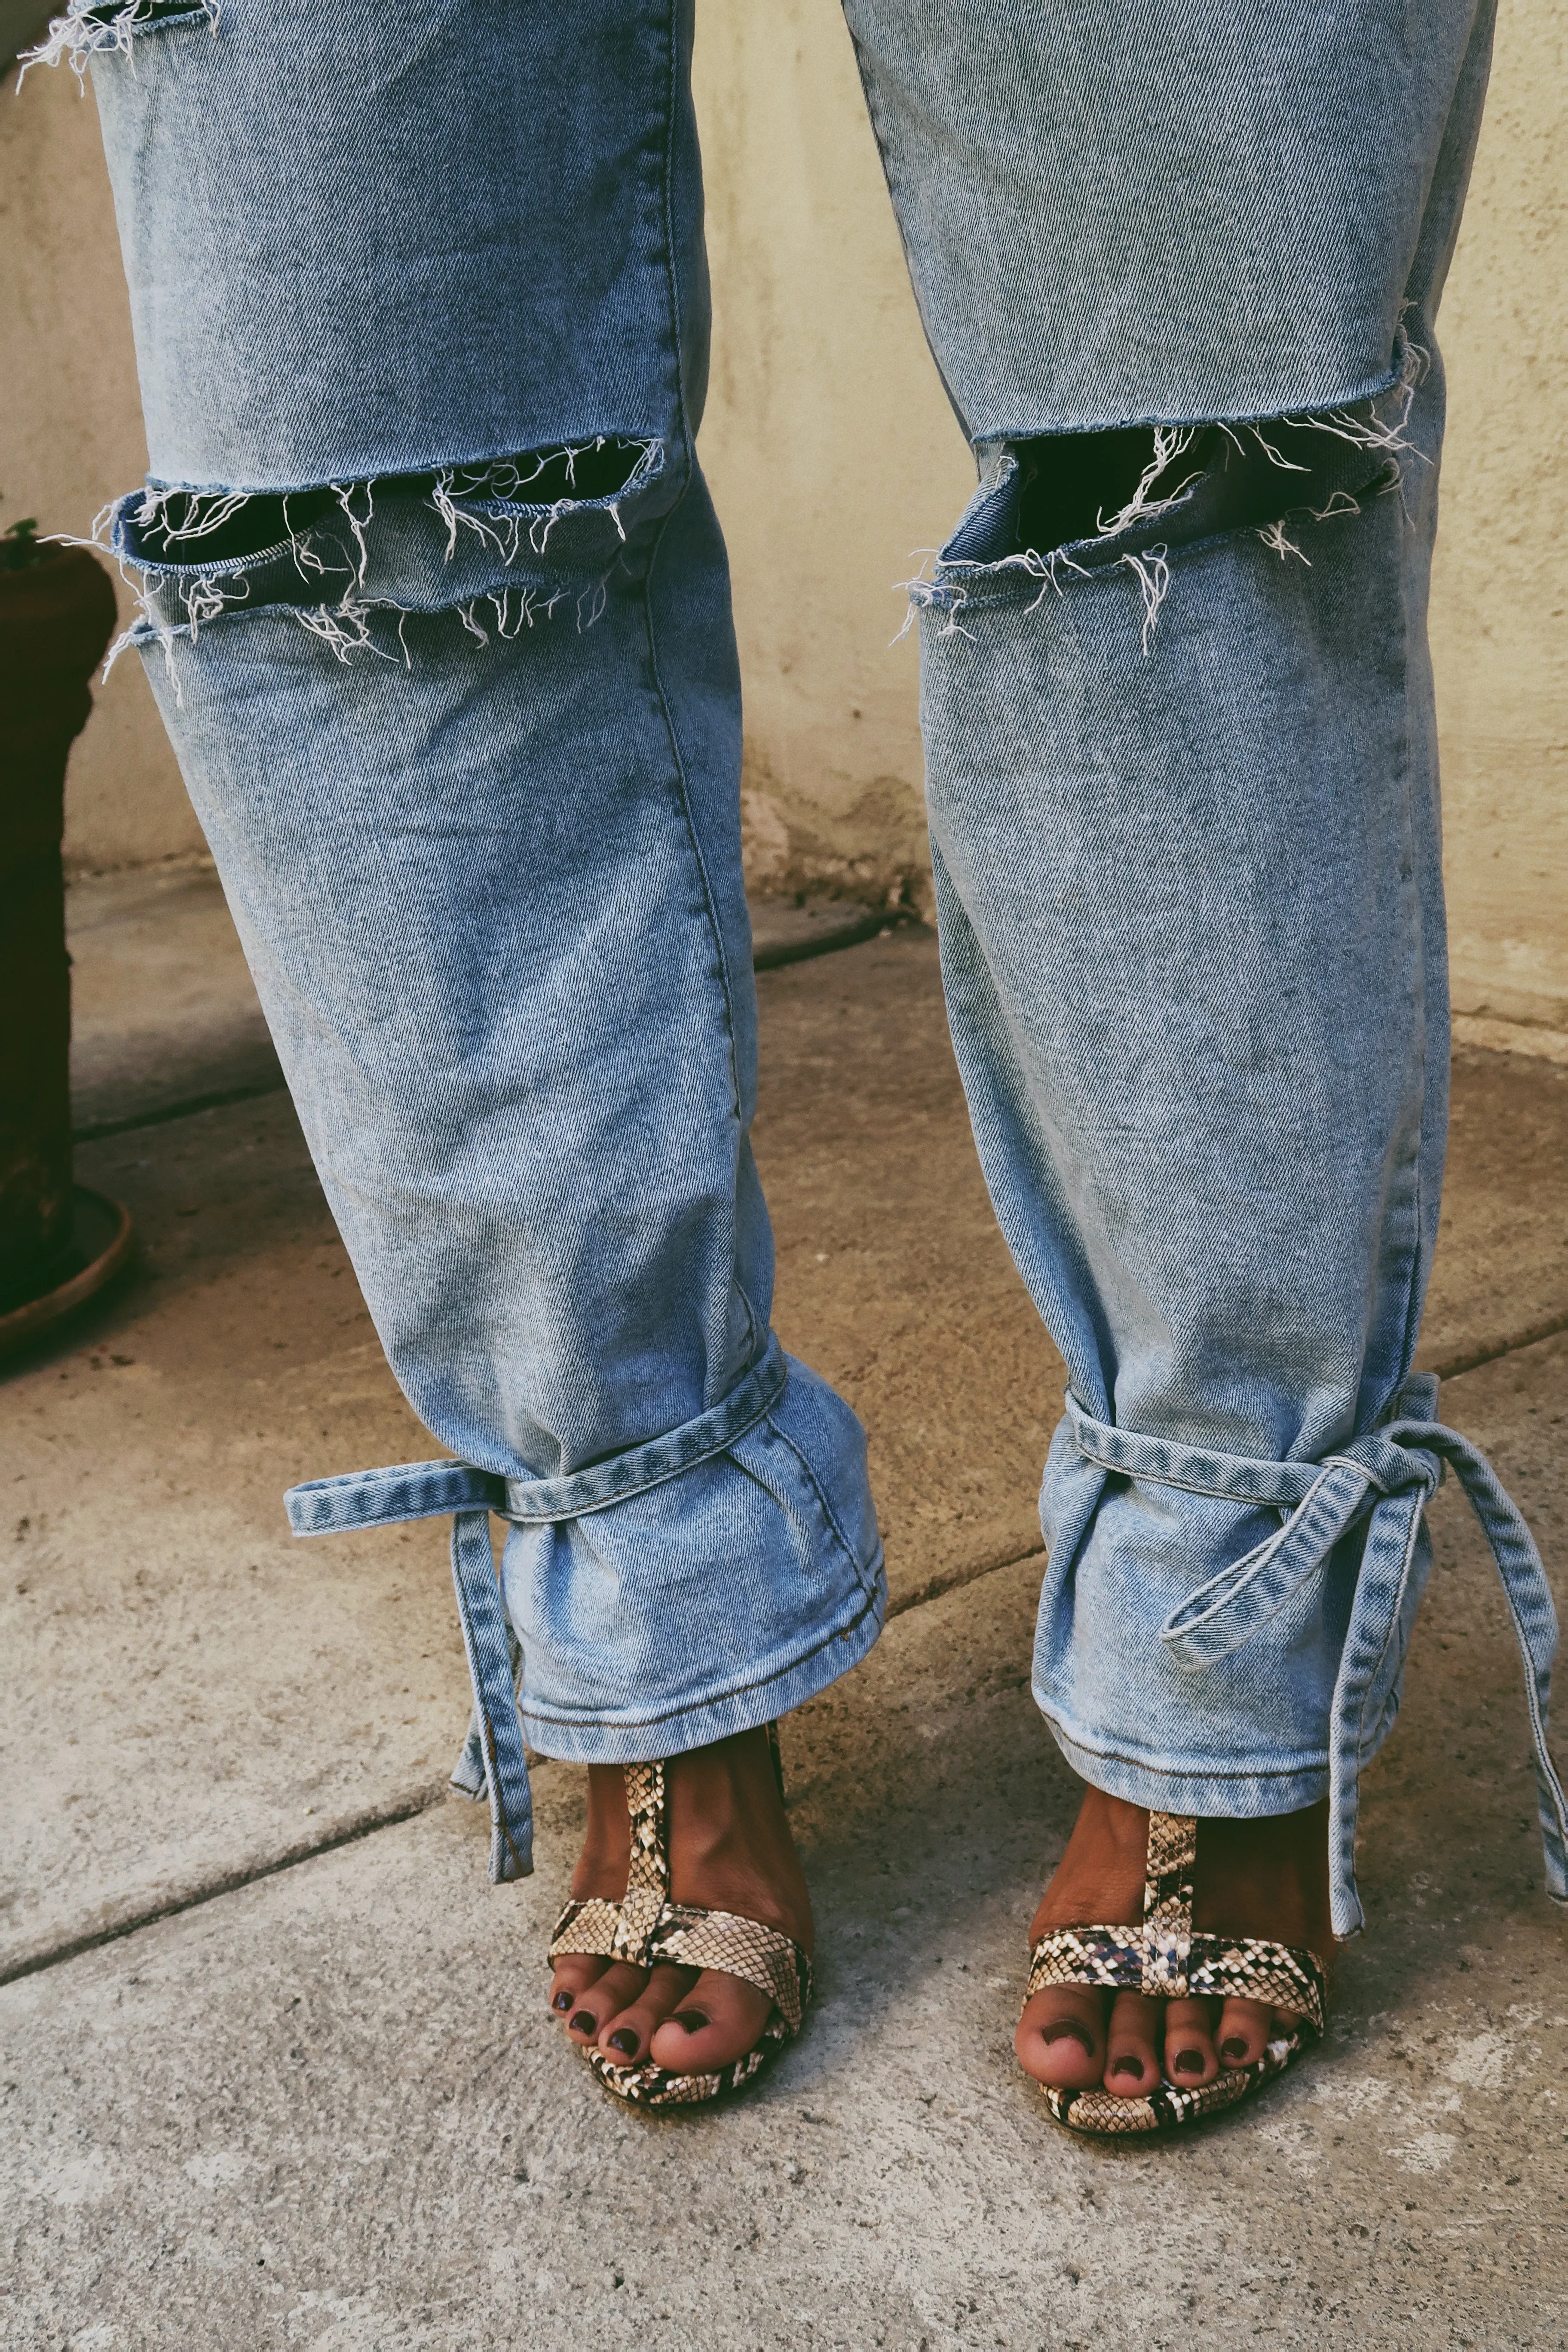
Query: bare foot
column 1266, row 1878
column 730, row 1850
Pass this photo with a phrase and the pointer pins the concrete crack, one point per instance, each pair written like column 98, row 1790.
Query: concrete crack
column 376, row 1817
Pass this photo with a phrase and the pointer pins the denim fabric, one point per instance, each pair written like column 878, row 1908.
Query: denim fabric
column 437, row 608
column 1182, row 787
column 1119, row 213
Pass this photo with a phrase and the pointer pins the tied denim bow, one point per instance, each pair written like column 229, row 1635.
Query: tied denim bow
column 427, row 1490
column 1388, row 1477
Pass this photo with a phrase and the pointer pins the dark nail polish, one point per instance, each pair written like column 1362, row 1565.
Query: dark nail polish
column 692, row 2020
column 585, row 2023
column 1066, row 2028
column 561, row 2000
column 1189, row 2061
column 625, row 2042
column 1234, row 2048
column 1127, row 2065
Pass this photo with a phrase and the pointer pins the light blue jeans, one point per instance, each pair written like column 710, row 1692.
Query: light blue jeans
column 438, row 610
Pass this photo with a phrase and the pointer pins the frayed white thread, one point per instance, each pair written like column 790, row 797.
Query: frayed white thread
column 345, row 628
column 85, row 32
column 918, row 592
column 203, row 597
column 465, row 496
column 359, row 524
column 597, row 598
column 1153, row 575
column 1340, row 503
column 1373, row 430
column 1276, row 456
column 1171, row 443
column 204, row 513
column 950, row 596
column 1276, row 540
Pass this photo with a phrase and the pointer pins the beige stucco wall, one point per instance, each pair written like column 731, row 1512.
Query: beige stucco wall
column 837, row 463
column 1500, row 635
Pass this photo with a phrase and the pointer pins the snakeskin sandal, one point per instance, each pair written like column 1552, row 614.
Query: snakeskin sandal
column 645, row 1927
column 1166, row 1958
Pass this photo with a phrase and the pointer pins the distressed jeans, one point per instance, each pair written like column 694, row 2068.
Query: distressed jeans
column 437, row 608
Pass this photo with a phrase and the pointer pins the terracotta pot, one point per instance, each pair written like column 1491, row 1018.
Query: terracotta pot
column 56, row 619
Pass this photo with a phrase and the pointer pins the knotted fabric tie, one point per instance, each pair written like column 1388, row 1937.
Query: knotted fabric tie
column 427, row 1490
column 1388, row 1477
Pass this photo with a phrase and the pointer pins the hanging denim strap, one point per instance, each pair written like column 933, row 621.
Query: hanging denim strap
column 424, row 1490
column 1386, row 1478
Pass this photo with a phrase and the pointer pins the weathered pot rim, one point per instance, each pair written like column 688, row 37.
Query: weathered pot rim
column 98, row 1213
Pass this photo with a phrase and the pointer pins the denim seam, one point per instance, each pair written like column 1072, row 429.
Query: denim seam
column 1413, row 1278
column 829, row 1513
column 1187, row 1486
column 737, row 1690
column 672, row 36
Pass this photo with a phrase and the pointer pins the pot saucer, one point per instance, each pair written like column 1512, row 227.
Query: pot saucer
column 102, row 1243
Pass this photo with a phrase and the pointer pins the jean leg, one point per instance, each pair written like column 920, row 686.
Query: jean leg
column 436, row 609
column 1179, row 273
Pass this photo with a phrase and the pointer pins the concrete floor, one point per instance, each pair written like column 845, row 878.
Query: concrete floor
column 306, row 2094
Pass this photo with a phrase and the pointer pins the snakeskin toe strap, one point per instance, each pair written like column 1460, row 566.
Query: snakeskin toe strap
column 1166, row 1958
column 645, row 1927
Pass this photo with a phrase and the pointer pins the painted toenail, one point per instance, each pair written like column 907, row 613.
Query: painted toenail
column 1234, row 2048
column 1065, row 2029
column 1127, row 2067
column 585, row 2023
column 561, row 2000
column 625, row 2042
column 691, row 2019
column 1189, row 2061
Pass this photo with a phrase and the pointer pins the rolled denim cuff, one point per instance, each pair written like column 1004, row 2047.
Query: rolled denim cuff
column 797, row 1517
column 1387, row 1478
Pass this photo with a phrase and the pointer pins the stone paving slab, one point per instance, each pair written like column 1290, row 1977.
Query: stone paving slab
column 329, row 2111
column 163, row 1010
column 1501, row 1270
column 188, row 1691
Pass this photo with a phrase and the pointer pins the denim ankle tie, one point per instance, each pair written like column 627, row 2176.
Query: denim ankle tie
column 1389, row 1477
column 425, row 1490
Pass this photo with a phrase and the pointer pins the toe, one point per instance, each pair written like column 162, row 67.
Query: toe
column 1060, row 2039
column 1242, row 2032
column 571, row 1976
column 1133, row 2046
column 625, row 2036
column 1191, row 2058
column 717, row 2021
column 608, row 1994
